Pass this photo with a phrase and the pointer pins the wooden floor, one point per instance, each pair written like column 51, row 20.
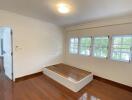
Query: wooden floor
column 69, row 72
column 44, row 88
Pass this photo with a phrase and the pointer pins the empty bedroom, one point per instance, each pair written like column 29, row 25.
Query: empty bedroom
column 65, row 50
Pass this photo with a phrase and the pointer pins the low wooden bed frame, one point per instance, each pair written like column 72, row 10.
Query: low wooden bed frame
column 70, row 77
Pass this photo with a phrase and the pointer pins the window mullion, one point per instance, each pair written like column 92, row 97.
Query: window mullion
column 110, row 49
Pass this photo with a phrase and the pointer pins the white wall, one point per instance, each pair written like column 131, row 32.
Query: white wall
column 116, row 71
column 36, row 44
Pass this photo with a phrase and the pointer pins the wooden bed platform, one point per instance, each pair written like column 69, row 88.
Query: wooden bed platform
column 71, row 77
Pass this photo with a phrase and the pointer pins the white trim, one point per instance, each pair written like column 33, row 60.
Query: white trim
column 100, row 23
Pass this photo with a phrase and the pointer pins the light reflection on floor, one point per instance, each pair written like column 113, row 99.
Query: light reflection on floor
column 87, row 96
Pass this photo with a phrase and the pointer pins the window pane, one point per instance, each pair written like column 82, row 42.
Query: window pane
column 121, row 56
column 76, row 40
column 121, row 48
column 72, row 40
column 85, row 44
column 73, row 47
column 85, row 41
column 122, row 40
column 84, row 51
column 116, row 55
column 125, row 50
column 127, row 40
column 101, row 41
column 100, row 47
column 117, row 40
column 125, row 56
column 100, row 52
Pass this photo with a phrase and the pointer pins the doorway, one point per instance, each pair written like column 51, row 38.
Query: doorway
column 6, row 51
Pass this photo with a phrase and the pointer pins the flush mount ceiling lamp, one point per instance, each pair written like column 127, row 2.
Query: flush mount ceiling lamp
column 63, row 8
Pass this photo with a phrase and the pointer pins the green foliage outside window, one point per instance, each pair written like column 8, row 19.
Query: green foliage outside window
column 85, row 44
column 121, row 48
column 100, row 47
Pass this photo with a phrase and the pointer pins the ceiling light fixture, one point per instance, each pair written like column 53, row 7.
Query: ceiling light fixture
column 63, row 8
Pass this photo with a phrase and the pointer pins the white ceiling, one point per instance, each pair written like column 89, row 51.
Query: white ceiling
column 84, row 10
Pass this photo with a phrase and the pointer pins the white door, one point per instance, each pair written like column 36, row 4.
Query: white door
column 7, row 50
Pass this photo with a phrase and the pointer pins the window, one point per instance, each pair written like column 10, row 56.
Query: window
column 100, row 47
column 73, row 45
column 85, row 46
column 121, row 48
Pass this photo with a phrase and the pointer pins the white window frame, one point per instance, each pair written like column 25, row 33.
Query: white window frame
column 69, row 46
column 107, row 46
column 90, row 47
column 120, row 52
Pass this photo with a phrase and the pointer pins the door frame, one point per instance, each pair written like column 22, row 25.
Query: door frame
column 13, row 79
